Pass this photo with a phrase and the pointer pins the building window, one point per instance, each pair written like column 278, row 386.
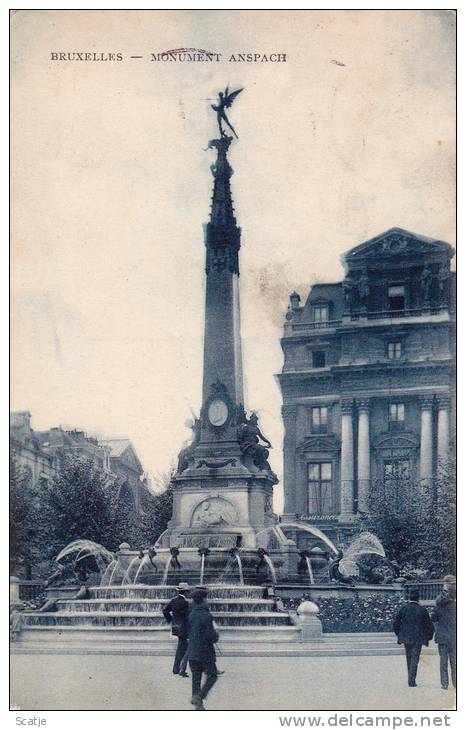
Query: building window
column 318, row 359
column 319, row 419
column 397, row 476
column 319, row 477
column 396, row 416
column 396, row 298
column 394, row 350
column 320, row 313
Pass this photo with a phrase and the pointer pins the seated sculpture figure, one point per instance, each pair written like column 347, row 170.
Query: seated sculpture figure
column 186, row 454
column 249, row 435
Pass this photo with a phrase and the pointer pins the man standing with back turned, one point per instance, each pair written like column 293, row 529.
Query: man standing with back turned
column 413, row 628
column 444, row 618
column 201, row 651
column 176, row 612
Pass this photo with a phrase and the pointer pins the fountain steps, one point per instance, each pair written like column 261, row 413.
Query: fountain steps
column 159, row 637
column 146, row 618
column 126, row 610
column 218, row 606
column 235, row 641
column 216, row 591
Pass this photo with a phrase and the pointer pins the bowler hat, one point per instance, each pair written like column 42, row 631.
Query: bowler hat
column 449, row 579
column 183, row 586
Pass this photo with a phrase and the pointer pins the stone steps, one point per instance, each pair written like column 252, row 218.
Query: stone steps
column 112, row 619
column 234, row 641
column 88, row 634
column 218, row 605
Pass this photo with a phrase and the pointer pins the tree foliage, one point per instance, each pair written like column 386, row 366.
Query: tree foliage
column 416, row 523
column 24, row 532
column 439, row 554
column 81, row 503
column 156, row 513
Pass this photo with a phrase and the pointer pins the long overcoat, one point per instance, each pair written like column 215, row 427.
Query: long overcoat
column 202, row 634
column 176, row 612
column 444, row 618
column 412, row 624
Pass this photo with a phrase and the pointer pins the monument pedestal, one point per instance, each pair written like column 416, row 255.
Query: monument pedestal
column 218, row 504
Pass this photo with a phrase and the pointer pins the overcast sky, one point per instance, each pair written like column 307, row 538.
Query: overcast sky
column 352, row 135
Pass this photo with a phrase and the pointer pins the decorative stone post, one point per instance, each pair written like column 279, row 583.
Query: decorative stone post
column 443, row 429
column 364, row 462
column 347, row 465
column 14, row 590
column 308, row 620
column 425, row 467
column 289, row 459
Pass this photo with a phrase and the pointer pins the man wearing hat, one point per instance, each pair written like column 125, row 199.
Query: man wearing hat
column 413, row 628
column 176, row 613
column 201, row 651
column 444, row 618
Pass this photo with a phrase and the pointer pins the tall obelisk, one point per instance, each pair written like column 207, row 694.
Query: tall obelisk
column 223, row 485
column 222, row 389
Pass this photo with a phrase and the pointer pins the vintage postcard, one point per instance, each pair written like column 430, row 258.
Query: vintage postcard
column 233, row 297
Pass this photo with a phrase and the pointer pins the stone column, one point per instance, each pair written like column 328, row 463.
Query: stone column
column 443, row 429
column 289, row 460
column 364, row 459
column 425, row 466
column 346, row 465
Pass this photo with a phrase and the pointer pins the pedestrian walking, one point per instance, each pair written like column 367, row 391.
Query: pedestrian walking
column 413, row 628
column 176, row 613
column 201, row 651
column 444, row 618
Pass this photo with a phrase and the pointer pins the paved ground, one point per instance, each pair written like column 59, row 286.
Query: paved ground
column 102, row 682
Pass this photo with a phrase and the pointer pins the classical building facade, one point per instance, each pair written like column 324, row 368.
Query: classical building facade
column 41, row 453
column 125, row 464
column 367, row 379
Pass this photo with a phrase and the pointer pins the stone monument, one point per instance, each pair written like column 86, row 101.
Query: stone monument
column 223, row 485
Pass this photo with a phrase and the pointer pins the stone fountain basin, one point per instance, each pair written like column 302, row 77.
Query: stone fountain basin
column 132, row 568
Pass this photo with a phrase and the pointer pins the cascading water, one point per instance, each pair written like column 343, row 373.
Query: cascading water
column 309, row 570
column 113, row 573
column 364, row 544
column 240, row 568
column 86, row 548
column 144, row 562
column 271, row 568
column 312, row 530
column 201, row 575
column 127, row 575
column 166, row 569
column 106, row 573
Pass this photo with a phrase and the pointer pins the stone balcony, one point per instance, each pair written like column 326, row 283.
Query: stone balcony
column 367, row 319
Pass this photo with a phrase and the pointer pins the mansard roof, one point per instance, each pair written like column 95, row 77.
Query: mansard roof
column 396, row 242
column 331, row 294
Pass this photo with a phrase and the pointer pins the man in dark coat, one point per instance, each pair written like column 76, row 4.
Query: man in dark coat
column 444, row 618
column 176, row 613
column 413, row 628
column 201, row 651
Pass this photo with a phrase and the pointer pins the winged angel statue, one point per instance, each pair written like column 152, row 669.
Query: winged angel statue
column 225, row 100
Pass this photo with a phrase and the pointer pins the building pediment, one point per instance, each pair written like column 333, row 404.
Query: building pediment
column 319, row 442
column 129, row 457
column 396, row 441
column 397, row 242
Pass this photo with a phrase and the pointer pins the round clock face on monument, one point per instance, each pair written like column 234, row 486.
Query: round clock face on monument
column 218, row 412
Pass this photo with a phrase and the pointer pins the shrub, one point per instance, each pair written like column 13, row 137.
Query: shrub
column 359, row 613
